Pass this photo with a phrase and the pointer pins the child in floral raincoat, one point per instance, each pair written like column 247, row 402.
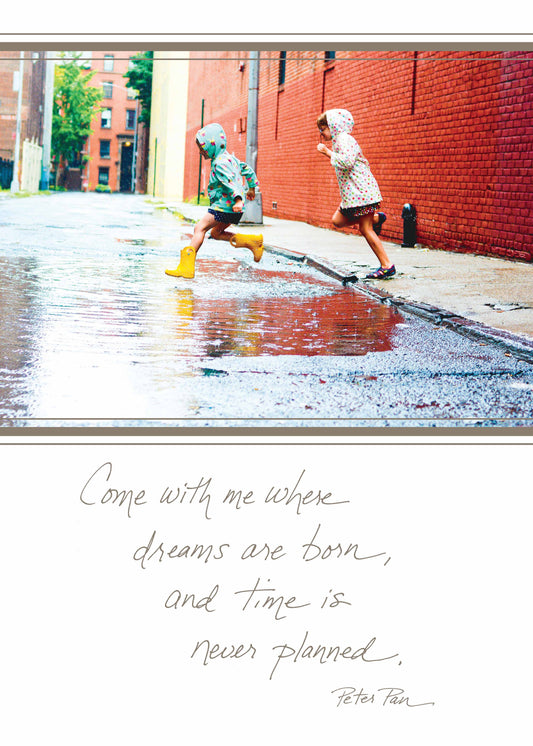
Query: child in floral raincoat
column 360, row 195
column 226, row 194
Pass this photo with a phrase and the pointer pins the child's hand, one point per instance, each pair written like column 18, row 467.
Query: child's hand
column 323, row 149
column 238, row 205
column 250, row 194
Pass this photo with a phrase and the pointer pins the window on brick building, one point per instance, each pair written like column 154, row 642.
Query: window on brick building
column 282, row 67
column 106, row 119
column 413, row 84
column 105, row 148
column 329, row 60
column 109, row 61
column 130, row 119
column 108, row 89
column 103, row 175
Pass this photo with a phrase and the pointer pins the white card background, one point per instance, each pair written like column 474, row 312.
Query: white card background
column 91, row 655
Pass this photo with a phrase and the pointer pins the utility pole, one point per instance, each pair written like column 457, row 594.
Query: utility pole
column 135, row 146
column 47, row 120
column 15, row 186
column 200, row 157
column 253, row 210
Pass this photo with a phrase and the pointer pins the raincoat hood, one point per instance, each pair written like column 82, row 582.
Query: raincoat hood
column 212, row 138
column 339, row 120
column 357, row 185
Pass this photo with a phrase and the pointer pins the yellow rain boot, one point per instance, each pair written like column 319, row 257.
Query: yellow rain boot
column 186, row 266
column 254, row 243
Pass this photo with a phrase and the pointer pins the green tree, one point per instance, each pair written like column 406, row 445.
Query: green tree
column 75, row 105
column 139, row 78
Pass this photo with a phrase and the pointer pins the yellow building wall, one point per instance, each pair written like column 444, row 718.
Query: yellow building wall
column 168, row 121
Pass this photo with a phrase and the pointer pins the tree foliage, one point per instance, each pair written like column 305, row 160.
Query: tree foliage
column 75, row 105
column 139, row 78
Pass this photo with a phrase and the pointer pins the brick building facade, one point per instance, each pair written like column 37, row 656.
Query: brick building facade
column 116, row 132
column 449, row 132
column 32, row 104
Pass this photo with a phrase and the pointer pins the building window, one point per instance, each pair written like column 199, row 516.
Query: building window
column 282, row 66
column 103, row 176
column 130, row 119
column 106, row 119
column 108, row 89
column 109, row 60
column 105, row 148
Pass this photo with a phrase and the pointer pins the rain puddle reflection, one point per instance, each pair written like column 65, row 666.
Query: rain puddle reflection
column 108, row 331
column 276, row 313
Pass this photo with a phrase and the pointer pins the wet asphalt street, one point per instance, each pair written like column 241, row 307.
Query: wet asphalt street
column 94, row 333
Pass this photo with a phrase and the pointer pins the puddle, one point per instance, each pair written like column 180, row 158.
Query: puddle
column 138, row 241
column 244, row 311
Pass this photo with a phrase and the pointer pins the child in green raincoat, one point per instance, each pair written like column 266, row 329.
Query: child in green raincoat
column 226, row 197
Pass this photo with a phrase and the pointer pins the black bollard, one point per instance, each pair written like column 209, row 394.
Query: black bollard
column 409, row 225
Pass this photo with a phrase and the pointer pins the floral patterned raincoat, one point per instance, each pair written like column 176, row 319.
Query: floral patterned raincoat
column 357, row 185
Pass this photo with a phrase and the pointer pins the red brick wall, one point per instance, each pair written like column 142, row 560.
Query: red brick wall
column 224, row 90
column 450, row 132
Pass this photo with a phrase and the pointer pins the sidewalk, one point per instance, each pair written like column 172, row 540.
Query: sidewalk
column 481, row 297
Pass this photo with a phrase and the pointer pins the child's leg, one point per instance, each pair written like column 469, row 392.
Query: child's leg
column 239, row 240
column 207, row 222
column 366, row 227
column 186, row 267
column 341, row 221
column 252, row 242
column 219, row 232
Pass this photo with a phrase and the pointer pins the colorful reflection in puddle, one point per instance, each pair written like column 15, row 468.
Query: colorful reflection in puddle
column 276, row 313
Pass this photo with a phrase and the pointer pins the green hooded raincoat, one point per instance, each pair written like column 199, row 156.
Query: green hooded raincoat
column 226, row 181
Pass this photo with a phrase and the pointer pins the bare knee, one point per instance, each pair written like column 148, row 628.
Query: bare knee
column 217, row 231
column 338, row 220
column 199, row 231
